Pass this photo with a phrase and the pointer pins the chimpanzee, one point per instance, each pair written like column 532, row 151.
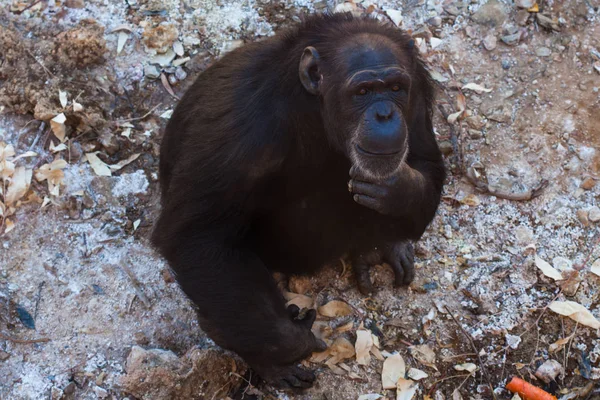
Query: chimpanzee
column 285, row 155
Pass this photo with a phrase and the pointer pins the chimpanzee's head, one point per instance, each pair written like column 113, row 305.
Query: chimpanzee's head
column 366, row 87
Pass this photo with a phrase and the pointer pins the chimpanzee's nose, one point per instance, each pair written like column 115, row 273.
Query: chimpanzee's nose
column 383, row 111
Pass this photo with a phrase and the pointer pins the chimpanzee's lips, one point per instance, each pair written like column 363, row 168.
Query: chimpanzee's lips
column 368, row 153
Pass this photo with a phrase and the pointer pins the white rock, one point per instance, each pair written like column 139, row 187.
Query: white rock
column 395, row 16
column 594, row 214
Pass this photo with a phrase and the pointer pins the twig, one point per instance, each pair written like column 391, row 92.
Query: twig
column 37, row 300
column 18, row 12
column 570, row 343
column 481, row 364
column 23, row 341
column 41, row 63
column 522, row 196
column 37, row 137
column 122, row 121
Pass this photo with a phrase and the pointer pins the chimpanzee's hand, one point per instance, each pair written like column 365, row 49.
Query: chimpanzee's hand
column 386, row 196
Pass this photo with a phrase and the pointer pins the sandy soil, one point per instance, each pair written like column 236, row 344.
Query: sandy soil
column 87, row 308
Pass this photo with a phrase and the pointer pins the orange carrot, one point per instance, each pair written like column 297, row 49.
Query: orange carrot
column 527, row 391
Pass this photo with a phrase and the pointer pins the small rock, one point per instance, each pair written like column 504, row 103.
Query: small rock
column 491, row 14
column 56, row 393
column 475, row 122
column 151, row 71
column 511, row 40
column 475, row 134
column 588, row 183
column 180, row 74
column 522, row 17
column 141, row 338
column 513, row 341
column 74, row 4
column 435, row 21
column 506, row 64
column 164, row 59
column 395, row 16
column 178, row 48
column 524, row 3
column 543, row 52
column 594, row 214
column 100, row 392
column 472, row 31
column 70, row 388
column 446, row 147
column 549, row 370
column 435, row 42
column 547, row 22
column 4, row 355
column 490, row 42
column 582, row 216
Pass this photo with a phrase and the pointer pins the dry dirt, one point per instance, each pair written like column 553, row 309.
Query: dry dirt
column 87, row 308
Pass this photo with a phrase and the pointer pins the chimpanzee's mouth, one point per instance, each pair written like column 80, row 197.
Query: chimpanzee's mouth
column 368, row 153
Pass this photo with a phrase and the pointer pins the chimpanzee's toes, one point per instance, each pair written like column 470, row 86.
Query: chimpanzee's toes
column 401, row 257
column 288, row 377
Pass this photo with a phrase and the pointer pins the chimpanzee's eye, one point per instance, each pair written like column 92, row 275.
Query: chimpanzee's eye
column 396, row 88
column 362, row 91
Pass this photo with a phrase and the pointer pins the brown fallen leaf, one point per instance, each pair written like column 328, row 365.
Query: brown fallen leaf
column 299, row 300
column 394, row 368
column 576, row 312
column 19, row 185
column 364, row 342
column 423, row 354
column 334, row 309
column 99, row 166
column 53, row 174
column 406, row 389
column 58, row 127
column 341, row 349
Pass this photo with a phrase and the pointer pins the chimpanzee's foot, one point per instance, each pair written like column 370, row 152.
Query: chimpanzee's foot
column 296, row 342
column 288, row 377
column 400, row 256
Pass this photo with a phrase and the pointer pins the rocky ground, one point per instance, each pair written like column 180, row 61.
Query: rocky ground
column 88, row 310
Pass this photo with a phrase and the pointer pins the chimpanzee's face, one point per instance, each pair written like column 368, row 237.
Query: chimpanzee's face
column 365, row 94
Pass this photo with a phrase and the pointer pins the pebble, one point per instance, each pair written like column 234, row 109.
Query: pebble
column 491, row 14
column 446, row 147
column 588, row 183
column 151, row 71
column 435, row 21
column 543, row 52
column 490, row 42
column 475, row 134
column 522, row 17
column 524, row 3
column 180, row 74
column 506, row 64
column 164, row 60
column 511, row 39
column 549, row 370
column 594, row 214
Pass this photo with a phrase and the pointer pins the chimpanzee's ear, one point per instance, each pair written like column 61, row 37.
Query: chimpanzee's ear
column 309, row 70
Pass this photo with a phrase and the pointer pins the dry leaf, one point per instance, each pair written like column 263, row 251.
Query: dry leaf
column 364, row 342
column 576, row 312
column 394, row 368
column 125, row 162
column 471, row 200
column 9, row 225
column 548, row 269
column 558, row 345
column 406, row 389
column 56, row 149
column 340, row 350
column 53, row 174
column 299, row 300
column 62, row 96
column 318, row 358
column 58, row 127
column 461, row 105
column 336, row 370
column 375, row 351
column 476, row 88
column 596, row 267
column 300, row 284
column 416, row 374
column 121, row 40
column 469, row 367
column 335, row 308
column 423, row 354
column 370, row 396
column 99, row 166
column 348, row 326
column 77, row 107
column 395, row 16
column 19, row 185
